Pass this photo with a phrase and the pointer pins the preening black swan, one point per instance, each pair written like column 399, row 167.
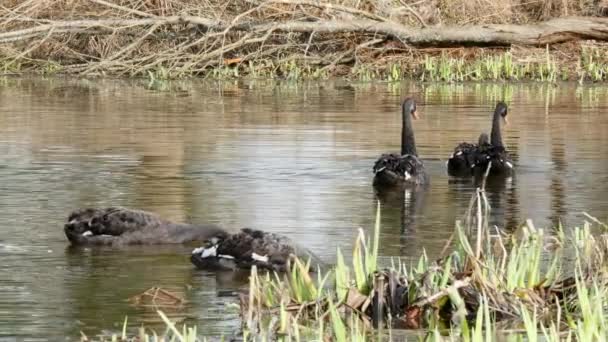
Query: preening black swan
column 464, row 158
column 473, row 159
column 396, row 169
column 121, row 226
column 251, row 247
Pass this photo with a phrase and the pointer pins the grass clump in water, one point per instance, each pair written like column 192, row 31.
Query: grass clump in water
column 171, row 334
column 533, row 284
column 489, row 285
column 490, row 282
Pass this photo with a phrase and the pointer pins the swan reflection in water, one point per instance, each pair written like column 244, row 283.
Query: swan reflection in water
column 403, row 204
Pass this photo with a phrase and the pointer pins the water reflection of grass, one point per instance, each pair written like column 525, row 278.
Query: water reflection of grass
column 487, row 283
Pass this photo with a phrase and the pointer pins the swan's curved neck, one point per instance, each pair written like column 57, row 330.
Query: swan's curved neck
column 408, row 143
column 496, row 136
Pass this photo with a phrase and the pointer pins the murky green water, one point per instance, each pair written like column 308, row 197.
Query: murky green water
column 293, row 159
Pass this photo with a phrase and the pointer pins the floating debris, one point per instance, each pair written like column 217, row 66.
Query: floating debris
column 157, row 297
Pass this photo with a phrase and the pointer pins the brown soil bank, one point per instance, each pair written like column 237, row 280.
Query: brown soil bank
column 449, row 40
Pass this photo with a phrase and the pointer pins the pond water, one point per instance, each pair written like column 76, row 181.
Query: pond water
column 284, row 157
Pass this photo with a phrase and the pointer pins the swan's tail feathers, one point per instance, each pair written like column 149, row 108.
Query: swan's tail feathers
column 393, row 169
column 500, row 159
column 462, row 160
column 386, row 178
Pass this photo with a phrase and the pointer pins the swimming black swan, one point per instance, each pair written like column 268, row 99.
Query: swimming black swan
column 251, row 247
column 393, row 169
column 473, row 159
column 121, row 226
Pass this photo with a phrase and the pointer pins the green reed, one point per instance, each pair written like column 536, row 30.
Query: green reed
column 489, row 281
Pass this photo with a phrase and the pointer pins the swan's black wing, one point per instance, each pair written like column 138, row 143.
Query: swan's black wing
column 392, row 169
column 247, row 248
column 254, row 247
column 463, row 159
column 502, row 164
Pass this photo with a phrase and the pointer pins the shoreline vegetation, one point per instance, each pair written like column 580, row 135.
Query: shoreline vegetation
column 427, row 40
column 527, row 284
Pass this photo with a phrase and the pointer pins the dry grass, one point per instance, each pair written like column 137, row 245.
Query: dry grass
column 179, row 48
column 411, row 12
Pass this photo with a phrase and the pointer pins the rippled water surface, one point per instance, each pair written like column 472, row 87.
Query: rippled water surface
column 289, row 158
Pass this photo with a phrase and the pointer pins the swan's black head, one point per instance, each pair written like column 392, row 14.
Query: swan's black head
column 79, row 220
column 86, row 221
column 409, row 106
column 501, row 109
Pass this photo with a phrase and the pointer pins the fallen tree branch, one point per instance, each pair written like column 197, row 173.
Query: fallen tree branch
column 549, row 32
column 76, row 26
column 123, row 50
column 442, row 293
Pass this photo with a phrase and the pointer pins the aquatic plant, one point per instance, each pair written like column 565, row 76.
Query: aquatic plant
column 473, row 293
column 490, row 281
column 171, row 333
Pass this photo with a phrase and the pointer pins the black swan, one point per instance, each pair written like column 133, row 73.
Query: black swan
column 397, row 169
column 121, row 226
column 251, row 247
column 473, row 159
